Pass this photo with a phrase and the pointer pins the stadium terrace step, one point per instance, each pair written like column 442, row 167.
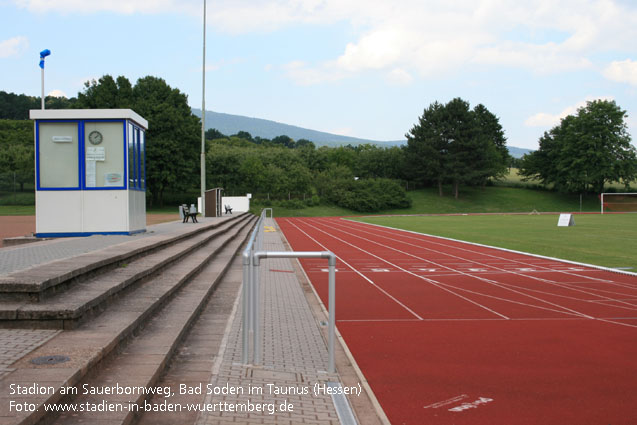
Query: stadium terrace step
column 43, row 281
column 132, row 341
column 66, row 309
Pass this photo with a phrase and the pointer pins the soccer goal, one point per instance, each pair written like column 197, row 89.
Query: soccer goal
column 619, row 202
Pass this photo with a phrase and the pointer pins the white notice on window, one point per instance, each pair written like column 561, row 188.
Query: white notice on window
column 97, row 153
column 90, row 173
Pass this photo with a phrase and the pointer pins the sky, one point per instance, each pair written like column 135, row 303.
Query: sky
column 362, row 68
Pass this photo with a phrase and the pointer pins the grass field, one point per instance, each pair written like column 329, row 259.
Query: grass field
column 608, row 240
column 490, row 199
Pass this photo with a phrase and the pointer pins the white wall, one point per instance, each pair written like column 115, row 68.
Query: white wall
column 237, row 203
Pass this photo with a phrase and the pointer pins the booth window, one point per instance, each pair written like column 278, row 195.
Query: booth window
column 104, row 154
column 142, row 161
column 57, row 154
column 136, row 158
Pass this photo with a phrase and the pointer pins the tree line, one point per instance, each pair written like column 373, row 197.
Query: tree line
column 451, row 144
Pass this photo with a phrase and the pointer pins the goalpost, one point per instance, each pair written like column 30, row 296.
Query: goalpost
column 619, row 202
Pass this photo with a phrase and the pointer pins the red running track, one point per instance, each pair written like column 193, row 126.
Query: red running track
column 453, row 333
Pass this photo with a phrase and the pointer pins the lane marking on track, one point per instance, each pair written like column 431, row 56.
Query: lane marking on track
column 489, row 281
column 472, row 405
column 603, row 302
column 362, row 275
column 446, row 402
column 431, row 281
column 494, row 319
column 542, row 259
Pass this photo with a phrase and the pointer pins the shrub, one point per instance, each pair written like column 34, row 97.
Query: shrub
column 369, row 195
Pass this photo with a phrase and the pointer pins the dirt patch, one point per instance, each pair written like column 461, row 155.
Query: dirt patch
column 160, row 218
column 16, row 225
column 24, row 225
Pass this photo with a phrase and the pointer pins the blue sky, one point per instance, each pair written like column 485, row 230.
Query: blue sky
column 363, row 68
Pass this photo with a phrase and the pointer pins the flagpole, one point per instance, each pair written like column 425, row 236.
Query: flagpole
column 43, row 54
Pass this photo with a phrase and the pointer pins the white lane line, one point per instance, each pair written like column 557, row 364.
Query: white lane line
column 548, row 281
column 598, row 301
column 421, row 236
column 361, row 274
column 431, row 281
column 489, row 281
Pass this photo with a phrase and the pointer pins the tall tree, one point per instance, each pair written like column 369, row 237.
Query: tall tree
column 452, row 143
column 172, row 139
column 427, row 148
column 585, row 151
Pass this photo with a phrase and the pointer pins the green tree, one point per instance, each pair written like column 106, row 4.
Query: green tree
column 213, row 133
column 585, row 151
column 427, row 147
column 106, row 93
column 452, row 143
column 173, row 136
column 17, row 151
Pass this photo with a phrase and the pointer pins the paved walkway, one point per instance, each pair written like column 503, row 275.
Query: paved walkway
column 294, row 356
column 22, row 257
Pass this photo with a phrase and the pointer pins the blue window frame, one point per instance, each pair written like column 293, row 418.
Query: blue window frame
column 104, row 159
column 77, row 161
column 59, row 141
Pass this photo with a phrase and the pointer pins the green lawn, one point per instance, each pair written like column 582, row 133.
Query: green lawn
column 17, row 209
column 490, row 199
column 608, row 240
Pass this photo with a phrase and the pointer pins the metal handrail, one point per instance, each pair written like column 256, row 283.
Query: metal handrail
column 252, row 256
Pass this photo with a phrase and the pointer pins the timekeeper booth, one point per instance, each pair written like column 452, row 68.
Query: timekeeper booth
column 90, row 172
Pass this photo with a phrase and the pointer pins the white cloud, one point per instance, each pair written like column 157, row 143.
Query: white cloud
column 437, row 37
column 622, row 72
column 93, row 6
column 57, row 93
column 304, row 75
column 421, row 38
column 544, row 119
column 399, row 77
column 13, row 46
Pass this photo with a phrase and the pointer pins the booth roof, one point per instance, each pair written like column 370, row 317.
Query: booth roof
column 88, row 114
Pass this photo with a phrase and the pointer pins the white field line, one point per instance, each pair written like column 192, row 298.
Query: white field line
column 489, row 281
column 494, row 319
column 421, row 235
column 598, row 301
column 548, row 281
column 361, row 274
column 431, row 281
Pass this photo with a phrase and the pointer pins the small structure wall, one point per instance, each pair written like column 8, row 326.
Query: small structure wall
column 90, row 172
column 237, row 203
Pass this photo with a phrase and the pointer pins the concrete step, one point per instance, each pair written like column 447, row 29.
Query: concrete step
column 159, row 310
column 45, row 280
column 143, row 360
column 67, row 309
column 200, row 355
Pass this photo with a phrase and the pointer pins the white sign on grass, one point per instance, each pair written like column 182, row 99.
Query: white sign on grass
column 566, row 220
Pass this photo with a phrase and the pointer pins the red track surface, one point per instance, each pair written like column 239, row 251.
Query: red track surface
column 452, row 333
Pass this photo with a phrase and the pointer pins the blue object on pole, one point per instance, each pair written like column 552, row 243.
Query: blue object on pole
column 44, row 53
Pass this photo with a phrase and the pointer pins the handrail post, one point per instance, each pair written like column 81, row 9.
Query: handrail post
column 245, row 293
column 256, row 262
column 332, row 312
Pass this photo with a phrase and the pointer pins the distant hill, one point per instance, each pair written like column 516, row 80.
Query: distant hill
column 518, row 152
column 232, row 124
